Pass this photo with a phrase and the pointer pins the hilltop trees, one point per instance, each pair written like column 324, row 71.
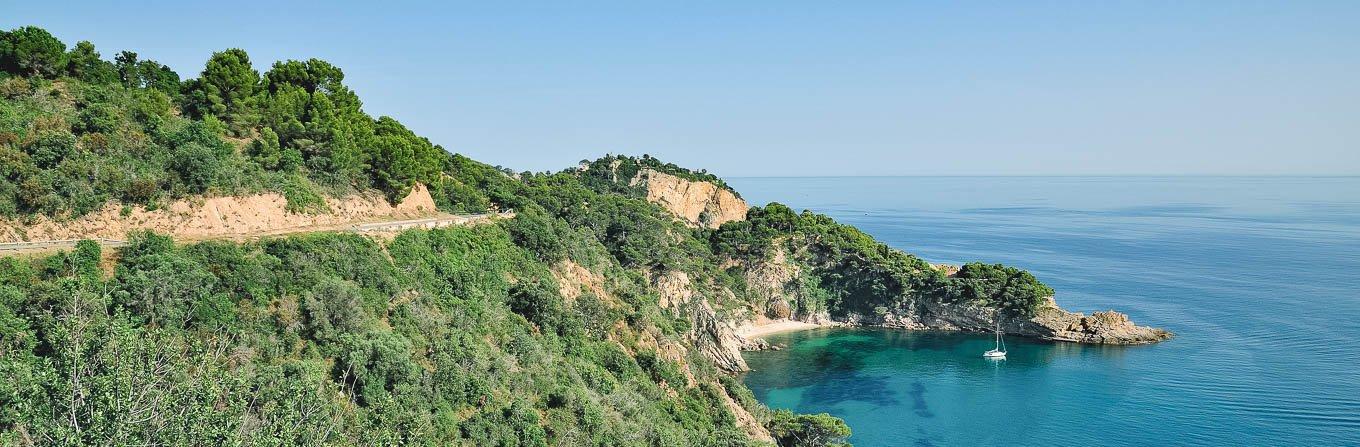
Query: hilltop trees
column 149, row 74
column 1015, row 292
column 225, row 89
column 32, row 51
column 83, row 63
column 77, row 131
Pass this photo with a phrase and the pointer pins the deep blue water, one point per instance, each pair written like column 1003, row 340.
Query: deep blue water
column 1259, row 277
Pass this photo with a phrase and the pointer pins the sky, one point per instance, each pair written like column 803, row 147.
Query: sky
column 816, row 88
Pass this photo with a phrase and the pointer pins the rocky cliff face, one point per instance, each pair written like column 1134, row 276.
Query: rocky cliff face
column 714, row 337
column 696, row 203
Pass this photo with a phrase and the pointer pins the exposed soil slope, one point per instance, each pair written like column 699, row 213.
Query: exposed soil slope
column 206, row 218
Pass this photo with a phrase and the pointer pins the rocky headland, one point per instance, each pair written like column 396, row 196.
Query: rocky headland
column 772, row 286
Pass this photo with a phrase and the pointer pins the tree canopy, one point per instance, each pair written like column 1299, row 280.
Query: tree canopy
column 78, row 131
column 32, row 51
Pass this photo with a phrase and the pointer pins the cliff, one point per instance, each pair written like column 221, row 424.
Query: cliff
column 698, row 204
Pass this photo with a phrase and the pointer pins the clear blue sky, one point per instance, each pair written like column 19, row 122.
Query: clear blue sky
column 810, row 88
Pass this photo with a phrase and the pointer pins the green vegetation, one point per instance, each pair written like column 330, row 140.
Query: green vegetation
column 852, row 272
column 809, row 429
column 454, row 336
column 461, row 336
column 77, row 131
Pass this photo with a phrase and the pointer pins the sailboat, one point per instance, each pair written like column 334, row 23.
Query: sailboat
column 1000, row 351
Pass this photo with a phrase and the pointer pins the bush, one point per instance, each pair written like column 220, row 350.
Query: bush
column 808, row 430
column 534, row 231
column 538, row 304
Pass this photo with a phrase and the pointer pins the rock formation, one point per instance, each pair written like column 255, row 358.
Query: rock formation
column 1109, row 327
column 696, row 203
column 714, row 337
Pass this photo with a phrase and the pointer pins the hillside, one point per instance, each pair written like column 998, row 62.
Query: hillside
column 604, row 313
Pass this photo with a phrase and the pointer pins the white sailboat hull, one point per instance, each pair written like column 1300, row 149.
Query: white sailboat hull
column 1000, row 351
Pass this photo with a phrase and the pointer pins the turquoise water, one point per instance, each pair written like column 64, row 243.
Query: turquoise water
column 1259, row 278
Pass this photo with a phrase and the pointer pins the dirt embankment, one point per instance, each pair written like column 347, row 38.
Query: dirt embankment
column 695, row 203
column 215, row 217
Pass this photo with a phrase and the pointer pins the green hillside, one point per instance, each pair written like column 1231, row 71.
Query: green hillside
column 462, row 336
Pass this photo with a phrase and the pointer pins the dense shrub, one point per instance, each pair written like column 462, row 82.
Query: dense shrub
column 113, row 131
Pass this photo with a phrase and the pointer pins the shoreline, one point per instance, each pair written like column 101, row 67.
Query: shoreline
column 753, row 332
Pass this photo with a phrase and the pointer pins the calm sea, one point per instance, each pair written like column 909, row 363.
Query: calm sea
column 1259, row 277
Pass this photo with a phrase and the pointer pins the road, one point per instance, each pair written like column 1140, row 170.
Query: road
column 446, row 220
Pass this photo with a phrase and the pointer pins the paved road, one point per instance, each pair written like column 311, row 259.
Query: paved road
column 12, row 248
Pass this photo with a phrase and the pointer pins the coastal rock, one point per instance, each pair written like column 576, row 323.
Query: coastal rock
column 1109, row 327
column 715, row 339
column 712, row 336
column 747, row 421
column 674, row 289
column 698, row 204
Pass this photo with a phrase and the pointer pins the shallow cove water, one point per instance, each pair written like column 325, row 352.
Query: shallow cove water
column 1258, row 276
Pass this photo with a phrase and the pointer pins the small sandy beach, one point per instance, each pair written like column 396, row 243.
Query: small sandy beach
column 768, row 327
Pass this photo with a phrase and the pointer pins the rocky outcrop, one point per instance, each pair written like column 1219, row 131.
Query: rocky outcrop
column 1049, row 322
column 1107, row 327
column 696, row 203
column 712, row 336
column 573, row 279
column 216, row 217
column 716, row 339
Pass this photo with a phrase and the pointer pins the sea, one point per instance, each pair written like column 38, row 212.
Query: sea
column 1258, row 277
